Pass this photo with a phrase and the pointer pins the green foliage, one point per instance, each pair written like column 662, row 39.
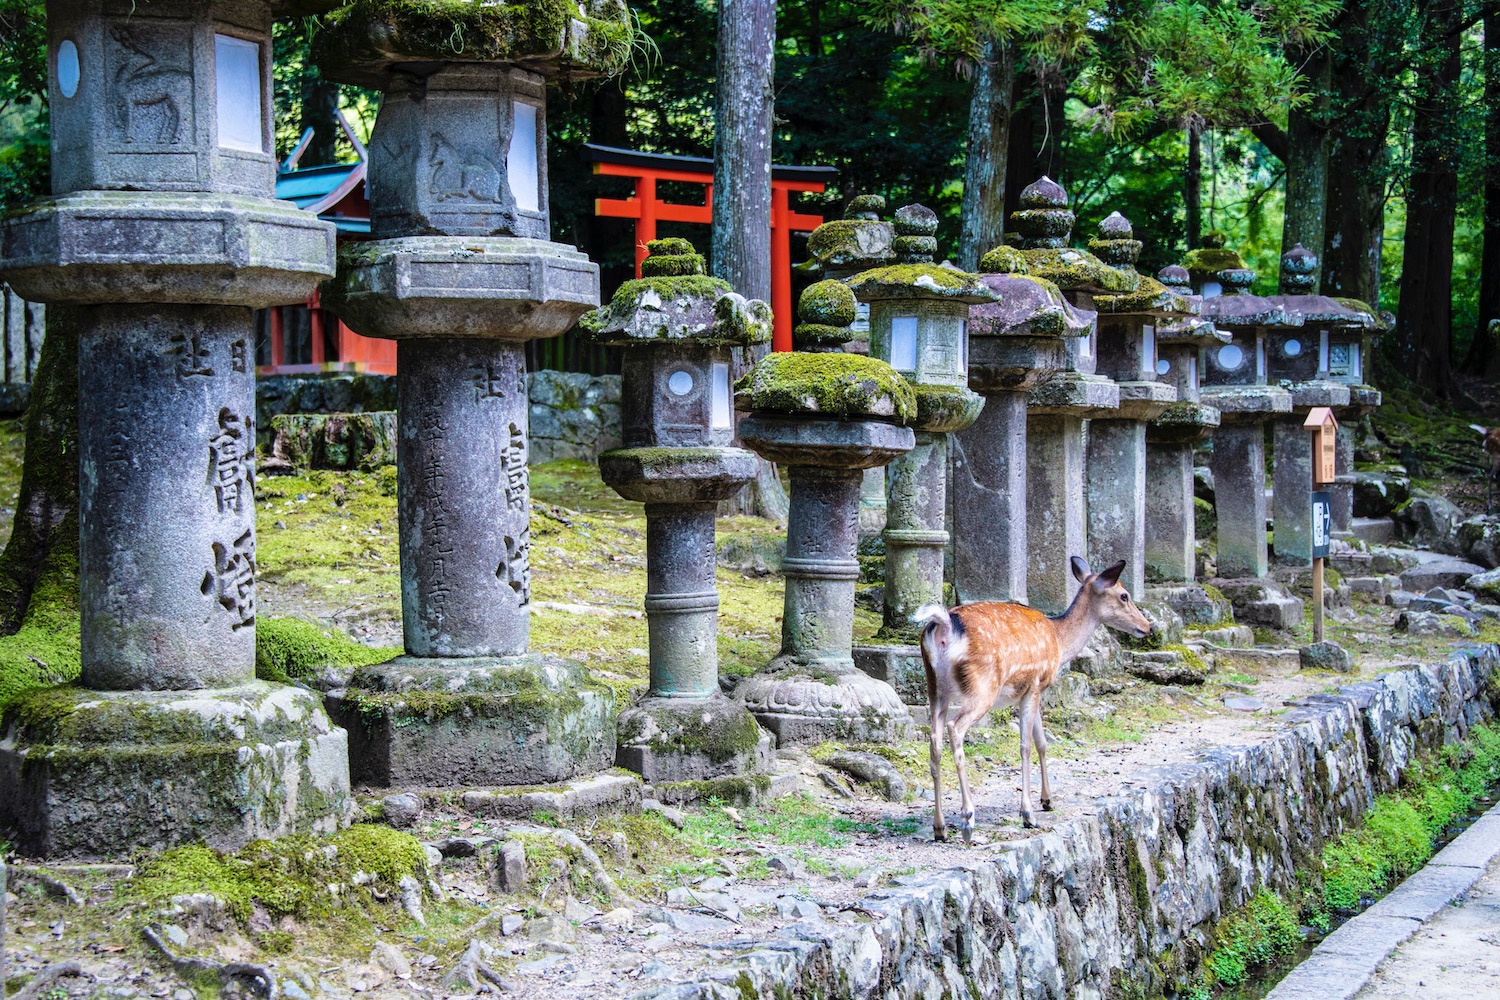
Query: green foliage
column 1264, row 930
column 1398, row 834
column 24, row 153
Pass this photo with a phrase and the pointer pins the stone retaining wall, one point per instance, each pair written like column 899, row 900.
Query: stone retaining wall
column 1128, row 893
column 572, row 416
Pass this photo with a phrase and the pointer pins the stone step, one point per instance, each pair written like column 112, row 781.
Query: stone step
column 1442, row 573
column 1373, row 530
column 1376, row 587
column 1259, row 658
column 611, row 793
column 1231, row 636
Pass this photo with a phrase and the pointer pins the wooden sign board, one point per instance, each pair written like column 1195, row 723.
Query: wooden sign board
column 1325, row 429
column 1322, row 523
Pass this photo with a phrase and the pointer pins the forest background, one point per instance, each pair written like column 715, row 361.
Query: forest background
column 1368, row 131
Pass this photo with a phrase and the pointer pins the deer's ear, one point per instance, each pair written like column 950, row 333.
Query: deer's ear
column 1080, row 569
column 1109, row 577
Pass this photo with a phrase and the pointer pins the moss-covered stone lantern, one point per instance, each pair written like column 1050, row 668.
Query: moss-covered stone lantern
column 1324, row 362
column 825, row 313
column 1016, row 344
column 919, row 315
column 164, row 231
column 1172, row 436
column 1117, row 449
column 837, row 251
column 677, row 328
column 1234, row 383
column 826, row 418
column 461, row 273
column 1056, row 520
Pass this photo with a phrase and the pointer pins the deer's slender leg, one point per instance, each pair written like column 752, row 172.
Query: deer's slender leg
column 1024, row 708
column 935, row 746
column 960, row 763
column 1040, row 739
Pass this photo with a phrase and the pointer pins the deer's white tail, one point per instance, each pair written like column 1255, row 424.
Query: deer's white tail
column 941, row 641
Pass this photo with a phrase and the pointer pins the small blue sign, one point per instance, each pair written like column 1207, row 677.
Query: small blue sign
column 1322, row 523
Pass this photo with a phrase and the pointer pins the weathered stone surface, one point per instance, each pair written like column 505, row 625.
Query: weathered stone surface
column 1430, row 523
column 899, row 666
column 1098, row 898
column 1441, row 573
column 402, row 809
column 1479, row 540
column 1260, row 602
column 1194, row 604
column 1326, row 655
column 1055, row 521
column 805, row 704
column 989, row 502
column 87, row 771
column 1433, row 623
column 580, row 798
column 1486, row 585
column 872, row 769
column 1239, row 467
column 1168, row 667
column 435, row 722
column 691, row 739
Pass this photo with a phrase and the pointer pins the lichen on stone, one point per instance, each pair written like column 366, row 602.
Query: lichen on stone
column 1211, row 260
column 944, row 408
column 845, row 386
column 851, row 243
column 919, row 281
column 827, row 302
column 1070, row 268
column 1003, row 260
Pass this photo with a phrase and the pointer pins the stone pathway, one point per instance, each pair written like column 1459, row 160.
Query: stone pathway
column 1437, row 935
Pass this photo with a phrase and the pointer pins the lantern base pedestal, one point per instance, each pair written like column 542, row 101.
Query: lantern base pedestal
column 898, row 666
column 805, row 702
column 439, row 722
column 692, row 739
column 84, row 773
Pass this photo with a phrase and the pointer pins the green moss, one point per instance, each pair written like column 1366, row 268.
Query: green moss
column 1070, row 268
column 1212, row 260
column 1398, row 834
column 1003, row 260
column 918, row 280
column 1205, row 518
column 367, row 33
column 836, row 385
column 289, row 876
column 734, row 790
column 827, row 302
column 838, row 242
column 1264, row 930
column 680, row 286
column 291, row 649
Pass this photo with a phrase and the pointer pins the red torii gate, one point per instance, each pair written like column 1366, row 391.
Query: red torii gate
column 646, row 169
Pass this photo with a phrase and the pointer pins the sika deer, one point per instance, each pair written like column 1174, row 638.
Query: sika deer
column 992, row 655
column 1492, row 449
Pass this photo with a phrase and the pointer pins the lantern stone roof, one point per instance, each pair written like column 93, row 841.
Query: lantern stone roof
column 915, row 276
column 859, row 240
column 1192, row 330
column 1116, row 246
column 841, row 386
column 674, row 300
column 826, row 310
column 1211, row 258
column 1299, row 272
column 368, row 40
column 1045, row 225
column 1026, row 305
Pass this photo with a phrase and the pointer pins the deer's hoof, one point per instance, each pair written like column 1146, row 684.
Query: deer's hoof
column 967, row 829
column 1046, row 805
column 939, row 834
column 1027, row 820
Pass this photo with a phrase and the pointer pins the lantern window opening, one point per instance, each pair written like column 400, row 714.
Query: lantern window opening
column 680, row 382
column 1163, row 366
column 1212, row 289
column 1260, row 359
column 69, row 72
column 1231, row 357
column 721, row 417
column 904, row 343
column 240, row 94
column 524, row 157
column 1148, row 347
column 1325, row 360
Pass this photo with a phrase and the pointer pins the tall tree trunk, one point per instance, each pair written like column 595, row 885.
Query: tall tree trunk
column 1484, row 354
column 1193, row 186
column 1424, row 326
column 1307, row 163
column 741, row 232
column 1361, row 113
column 990, row 107
column 41, row 558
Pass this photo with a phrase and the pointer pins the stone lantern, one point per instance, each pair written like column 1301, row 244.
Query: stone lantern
column 164, row 231
column 838, row 250
column 1172, row 436
column 1345, row 330
column 919, row 315
column 461, row 273
column 1056, row 522
column 678, row 329
column 825, row 418
column 1234, row 382
column 1117, row 459
column 1295, row 361
column 1016, row 344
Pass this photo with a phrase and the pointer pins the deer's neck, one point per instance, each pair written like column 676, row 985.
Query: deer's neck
column 1075, row 627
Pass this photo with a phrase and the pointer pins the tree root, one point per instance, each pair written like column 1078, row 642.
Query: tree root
column 571, row 841
column 46, row 978
column 257, row 978
column 55, row 886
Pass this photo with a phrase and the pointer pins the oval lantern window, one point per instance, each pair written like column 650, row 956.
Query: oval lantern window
column 1163, row 366
column 1292, row 348
column 680, row 382
column 1231, row 356
column 68, row 72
